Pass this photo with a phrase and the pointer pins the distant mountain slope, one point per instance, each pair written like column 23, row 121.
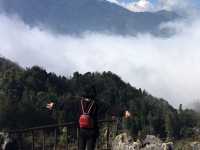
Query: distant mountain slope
column 6, row 64
column 77, row 16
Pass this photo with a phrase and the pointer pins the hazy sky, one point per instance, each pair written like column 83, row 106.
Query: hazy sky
column 165, row 67
column 155, row 5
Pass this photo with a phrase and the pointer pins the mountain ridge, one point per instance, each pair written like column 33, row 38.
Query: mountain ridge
column 73, row 16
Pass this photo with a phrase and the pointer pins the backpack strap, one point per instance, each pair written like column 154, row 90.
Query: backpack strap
column 90, row 107
column 89, row 110
column 82, row 106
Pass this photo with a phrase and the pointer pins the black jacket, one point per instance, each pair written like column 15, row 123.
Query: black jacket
column 74, row 107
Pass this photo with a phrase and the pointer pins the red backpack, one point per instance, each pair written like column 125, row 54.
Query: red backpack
column 85, row 120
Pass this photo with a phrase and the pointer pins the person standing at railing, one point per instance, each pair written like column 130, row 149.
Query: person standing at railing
column 87, row 118
column 88, row 124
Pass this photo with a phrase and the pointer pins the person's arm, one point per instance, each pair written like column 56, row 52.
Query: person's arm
column 55, row 105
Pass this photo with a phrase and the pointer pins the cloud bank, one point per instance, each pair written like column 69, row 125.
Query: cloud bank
column 175, row 4
column 165, row 67
column 139, row 6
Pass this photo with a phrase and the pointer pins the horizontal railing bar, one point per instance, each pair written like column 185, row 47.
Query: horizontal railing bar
column 52, row 126
column 42, row 127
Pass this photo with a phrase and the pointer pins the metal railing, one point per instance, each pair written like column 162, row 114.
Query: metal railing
column 61, row 136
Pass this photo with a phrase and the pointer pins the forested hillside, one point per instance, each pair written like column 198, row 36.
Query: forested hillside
column 24, row 94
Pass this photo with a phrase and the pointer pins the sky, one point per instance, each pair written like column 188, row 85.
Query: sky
column 128, row 1
column 156, row 1
column 155, row 5
column 165, row 67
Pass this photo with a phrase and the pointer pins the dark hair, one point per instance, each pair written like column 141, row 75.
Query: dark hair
column 89, row 92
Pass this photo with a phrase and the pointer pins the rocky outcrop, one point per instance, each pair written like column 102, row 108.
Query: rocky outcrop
column 151, row 142
column 195, row 145
column 125, row 142
column 8, row 142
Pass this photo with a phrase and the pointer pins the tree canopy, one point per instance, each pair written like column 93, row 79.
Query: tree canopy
column 24, row 94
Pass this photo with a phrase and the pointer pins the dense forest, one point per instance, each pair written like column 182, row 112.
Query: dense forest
column 24, row 94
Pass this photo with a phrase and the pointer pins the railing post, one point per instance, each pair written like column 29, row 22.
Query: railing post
column 33, row 140
column 78, row 138
column 20, row 141
column 55, row 138
column 43, row 139
column 107, row 137
column 67, row 142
